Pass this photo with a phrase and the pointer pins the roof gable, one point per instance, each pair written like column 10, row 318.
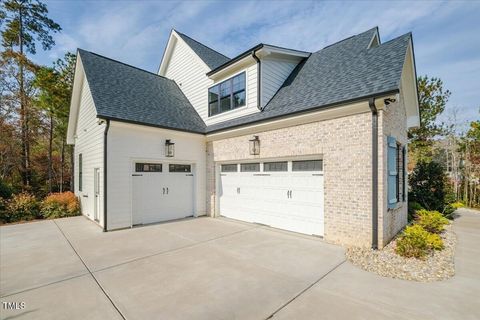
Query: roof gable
column 125, row 93
column 346, row 71
column 212, row 58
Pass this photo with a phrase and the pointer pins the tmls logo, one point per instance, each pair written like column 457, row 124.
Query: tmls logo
column 13, row 305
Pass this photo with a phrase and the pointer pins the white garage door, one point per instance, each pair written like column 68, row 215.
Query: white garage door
column 283, row 194
column 161, row 192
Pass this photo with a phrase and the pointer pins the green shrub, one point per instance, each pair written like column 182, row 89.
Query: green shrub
column 59, row 205
column 434, row 241
column 428, row 187
column 416, row 242
column 432, row 221
column 413, row 207
column 22, row 206
column 3, row 211
column 6, row 190
column 457, row 205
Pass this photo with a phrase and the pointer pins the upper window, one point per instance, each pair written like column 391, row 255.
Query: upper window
column 148, row 167
column 275, row 166
column 229, row 168
column 307, row 165
column 227, row 95
column 250, row 167
column 179, row 168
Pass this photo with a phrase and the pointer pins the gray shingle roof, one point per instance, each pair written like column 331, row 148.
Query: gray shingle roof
column 212, row 58
column 344, row 71
column 341, row 72
column 126, row 93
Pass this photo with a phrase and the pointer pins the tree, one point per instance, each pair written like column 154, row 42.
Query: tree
column 470, row 148
column 427, row 184
column 55, row 84
column 432, row 101
column 24, row 23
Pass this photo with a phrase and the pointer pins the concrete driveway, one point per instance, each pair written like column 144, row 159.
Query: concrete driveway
column 214, row 269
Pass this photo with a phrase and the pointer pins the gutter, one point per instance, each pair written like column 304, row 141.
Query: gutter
column 373, row 108
column 259, row 70
column 237, row 58
column 105, row 136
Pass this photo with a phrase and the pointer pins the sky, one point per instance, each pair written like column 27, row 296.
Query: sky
column 446, row 35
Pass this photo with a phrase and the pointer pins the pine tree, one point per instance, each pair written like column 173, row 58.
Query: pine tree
column 24, row 23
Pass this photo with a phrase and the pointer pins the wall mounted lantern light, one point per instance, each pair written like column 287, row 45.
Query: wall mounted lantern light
column 169, row 148
column 255, row 146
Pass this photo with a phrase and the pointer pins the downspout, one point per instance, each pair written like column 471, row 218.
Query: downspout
column 259, row 70
column 105, row 136
column 373, row 109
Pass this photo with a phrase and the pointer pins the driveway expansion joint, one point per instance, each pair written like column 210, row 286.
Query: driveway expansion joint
column 91, row 274
column 306, row 289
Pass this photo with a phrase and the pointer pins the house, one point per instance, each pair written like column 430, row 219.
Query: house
column 313, row 143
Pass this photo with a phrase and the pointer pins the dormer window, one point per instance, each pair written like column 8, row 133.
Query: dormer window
column 227, row 95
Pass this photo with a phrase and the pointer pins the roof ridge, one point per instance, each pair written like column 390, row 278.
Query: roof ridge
column 183, row 34
column 125, row 64
column 355, row 35
column 397, row 37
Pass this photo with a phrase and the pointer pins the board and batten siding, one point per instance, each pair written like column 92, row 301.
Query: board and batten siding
column 274, row 74
column 190, row 75
column 129, row 143
column 89, row 143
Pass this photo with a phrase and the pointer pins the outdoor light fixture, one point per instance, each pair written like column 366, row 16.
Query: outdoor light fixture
column 255, row 146
column 169, row 148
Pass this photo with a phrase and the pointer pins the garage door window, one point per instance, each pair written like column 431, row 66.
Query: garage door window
column 307, row 165
column 148, row 167
column 250, row 167
column 229, row 168
column 275, row 166
column 180, row 168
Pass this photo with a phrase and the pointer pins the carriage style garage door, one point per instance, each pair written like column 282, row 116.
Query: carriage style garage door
column 282, row 194
column 161, row 192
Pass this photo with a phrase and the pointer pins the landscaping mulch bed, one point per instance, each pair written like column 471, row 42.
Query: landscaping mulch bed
column 439, row 265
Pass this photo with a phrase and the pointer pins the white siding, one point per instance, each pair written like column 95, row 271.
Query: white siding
column 190, row 75
column 252, row 80
column 89, row 143
column 274, row 74
column 128, row 143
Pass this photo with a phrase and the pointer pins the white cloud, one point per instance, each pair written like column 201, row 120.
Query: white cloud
column 136, row 31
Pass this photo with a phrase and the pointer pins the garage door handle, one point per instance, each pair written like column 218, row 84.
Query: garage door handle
column 167, row 190
column 163, row 190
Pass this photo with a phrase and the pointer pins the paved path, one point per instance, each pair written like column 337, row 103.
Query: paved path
column 215, row 269
column 351, row 293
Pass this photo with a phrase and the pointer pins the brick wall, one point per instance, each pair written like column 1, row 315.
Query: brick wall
column 392, row 122
column 345, row 145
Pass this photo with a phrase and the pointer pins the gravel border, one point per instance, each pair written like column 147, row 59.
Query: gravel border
column 439, row 265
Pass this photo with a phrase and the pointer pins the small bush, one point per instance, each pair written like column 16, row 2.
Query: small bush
column 6, row 190
column 434, row 241
column 432, row 221
column 416, row 242
column 413, row 207
column 457, row 205
column 59, row 205
column 3, row 211
column 22, row 206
